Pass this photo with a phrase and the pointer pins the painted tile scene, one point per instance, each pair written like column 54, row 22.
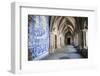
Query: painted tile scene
column 57, row 37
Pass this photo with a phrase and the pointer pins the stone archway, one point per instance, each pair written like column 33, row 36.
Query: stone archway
column 68, row 38
column 68, row 41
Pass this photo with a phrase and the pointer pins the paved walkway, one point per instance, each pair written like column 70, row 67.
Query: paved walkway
column 68, row 52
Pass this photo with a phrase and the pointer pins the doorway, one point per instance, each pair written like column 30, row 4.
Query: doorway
column 68, row 41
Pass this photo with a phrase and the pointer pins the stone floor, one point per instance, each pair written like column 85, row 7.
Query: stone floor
column 68, row 52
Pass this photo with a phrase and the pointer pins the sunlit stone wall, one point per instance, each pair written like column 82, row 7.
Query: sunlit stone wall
column 38, row 36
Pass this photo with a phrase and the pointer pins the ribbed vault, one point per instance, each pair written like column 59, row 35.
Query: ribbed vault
column 62, row 24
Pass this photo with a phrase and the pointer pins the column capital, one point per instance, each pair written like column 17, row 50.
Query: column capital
column 84, row 30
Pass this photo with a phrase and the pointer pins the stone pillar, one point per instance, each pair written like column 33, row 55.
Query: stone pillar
column 58, row 40
column 52, row 44
column 84, row 38
column 63, row 40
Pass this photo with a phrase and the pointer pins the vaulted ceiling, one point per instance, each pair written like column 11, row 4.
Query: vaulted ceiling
column 65, row 24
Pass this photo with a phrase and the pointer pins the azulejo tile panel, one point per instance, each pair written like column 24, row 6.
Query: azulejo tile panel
column 38, row 36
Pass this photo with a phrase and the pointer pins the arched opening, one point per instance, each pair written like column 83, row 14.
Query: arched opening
column 68, row 38
column 68, row 41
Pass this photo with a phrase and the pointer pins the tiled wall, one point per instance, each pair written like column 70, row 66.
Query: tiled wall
column 38, row 36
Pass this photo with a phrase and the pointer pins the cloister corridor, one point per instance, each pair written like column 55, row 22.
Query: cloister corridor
column 57, row 37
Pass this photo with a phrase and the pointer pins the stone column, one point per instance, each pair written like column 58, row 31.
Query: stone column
column 51, row 47
column 84, row 38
